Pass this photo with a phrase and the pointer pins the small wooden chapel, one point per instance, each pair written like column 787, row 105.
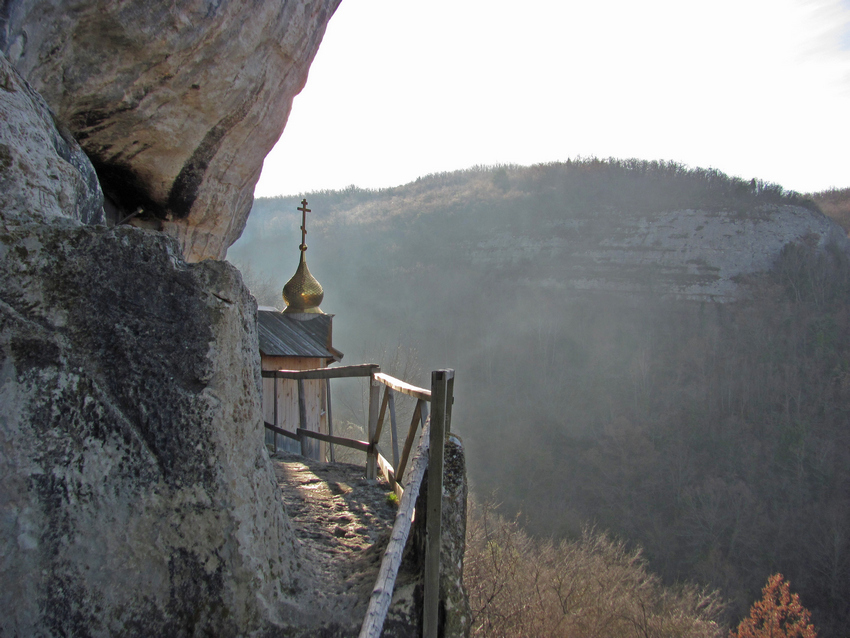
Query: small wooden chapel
column 300, row 337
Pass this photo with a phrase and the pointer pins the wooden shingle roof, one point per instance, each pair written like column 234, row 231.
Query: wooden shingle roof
column 281, row 335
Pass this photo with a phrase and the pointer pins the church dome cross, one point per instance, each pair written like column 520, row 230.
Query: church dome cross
column 303, row 293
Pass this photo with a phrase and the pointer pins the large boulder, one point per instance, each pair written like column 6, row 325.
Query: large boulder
column 177, row 104
column 136, row 497
column 41, row 165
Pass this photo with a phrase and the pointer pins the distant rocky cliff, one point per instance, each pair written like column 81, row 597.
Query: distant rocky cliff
column 683, row 254
column 552, row 231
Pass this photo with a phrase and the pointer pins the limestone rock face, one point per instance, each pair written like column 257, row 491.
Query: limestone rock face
column 41, row 165
column 136, row 497
column 683, row 254
column 177, row 104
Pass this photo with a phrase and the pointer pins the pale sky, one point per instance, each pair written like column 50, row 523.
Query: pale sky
column 400, row 89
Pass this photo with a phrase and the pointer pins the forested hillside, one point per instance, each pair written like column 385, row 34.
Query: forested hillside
column 686, row 388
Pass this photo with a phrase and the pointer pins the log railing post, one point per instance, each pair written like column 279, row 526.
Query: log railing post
column 276, row 424
column 330, row 420
column 450, row 400
column 440, row 400
column 420, row 414
column 302, row 417
column 394, row 429
column 382, row 592
column 374, row 406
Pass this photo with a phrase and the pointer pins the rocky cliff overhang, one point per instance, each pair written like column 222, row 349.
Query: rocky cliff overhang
column 42, row 168
column 176, row 104
column 136, row 497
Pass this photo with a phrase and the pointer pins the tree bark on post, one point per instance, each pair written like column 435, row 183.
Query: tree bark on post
column 276, row 424
column 394, row 429
column 302, row 417
column 374, row 405
column 332, row 457
column 434, row 506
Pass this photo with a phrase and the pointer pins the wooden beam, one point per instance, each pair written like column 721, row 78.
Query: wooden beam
column 420, row 414
column 330, row 418
column 278, row 430
column 434, row 505
column 405, row 388
column 374, row 398
column 450, row 401
column 302, row 417
column 381, row 415
column 363, row 446
column 343, row 372
column 387, row 470
column 393, row 428
column 382, row 592
column 276, row 420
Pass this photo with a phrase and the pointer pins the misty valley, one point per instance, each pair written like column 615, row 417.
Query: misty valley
column 649, row 358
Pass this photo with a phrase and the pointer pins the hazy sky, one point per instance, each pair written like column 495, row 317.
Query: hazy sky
column 400, row 89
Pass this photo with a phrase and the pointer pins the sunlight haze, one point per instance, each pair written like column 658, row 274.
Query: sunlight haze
column 398, row 90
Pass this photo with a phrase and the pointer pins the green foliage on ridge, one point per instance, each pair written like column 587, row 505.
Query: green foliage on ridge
column 576, row 186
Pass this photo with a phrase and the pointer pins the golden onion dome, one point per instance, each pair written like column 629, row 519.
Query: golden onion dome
column 303, row 293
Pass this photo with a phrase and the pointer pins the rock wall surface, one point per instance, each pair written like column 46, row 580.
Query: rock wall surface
column 177, row 104
column 41, row 165
column 533, row 245
column 684, row 254
column 136, row 498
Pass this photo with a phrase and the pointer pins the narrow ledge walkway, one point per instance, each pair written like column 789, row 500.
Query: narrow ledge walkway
column 342, row 523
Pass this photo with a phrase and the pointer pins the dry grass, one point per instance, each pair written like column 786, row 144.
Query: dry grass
column 835, row 203
column 593, row 587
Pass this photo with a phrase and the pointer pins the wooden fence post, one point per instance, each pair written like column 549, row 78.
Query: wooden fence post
column 420, row 415
column 394, row 430
column 302, row 417
column 330, row 420
column 450, row 401
column 434, row 506
column 374, row 405
column 382, row 592
column 276, row 424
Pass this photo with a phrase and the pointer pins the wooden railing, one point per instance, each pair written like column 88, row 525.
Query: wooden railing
column 429, row 454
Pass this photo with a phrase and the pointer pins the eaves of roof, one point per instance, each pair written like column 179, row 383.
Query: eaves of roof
column 282, row 336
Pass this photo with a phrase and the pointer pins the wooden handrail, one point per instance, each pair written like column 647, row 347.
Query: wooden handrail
column 420, row 414
column 382, row 592
column 363, row 446
column 405, row 388
column 342, row 372
column 435, row 428
column 389, row 475
column 278, row 430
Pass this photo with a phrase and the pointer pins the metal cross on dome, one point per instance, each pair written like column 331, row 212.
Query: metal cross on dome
column 304, row 210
